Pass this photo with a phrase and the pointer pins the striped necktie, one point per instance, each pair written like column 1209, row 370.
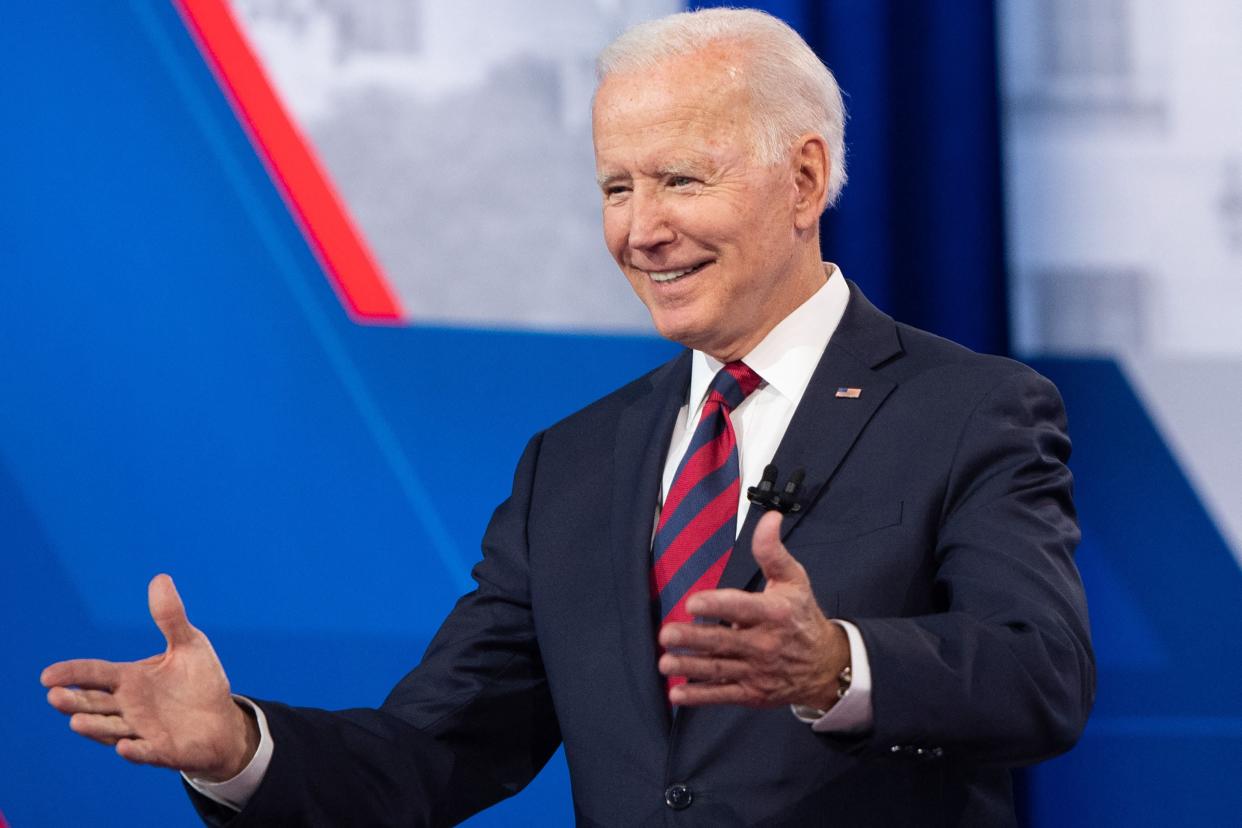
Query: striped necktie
column 698, row 522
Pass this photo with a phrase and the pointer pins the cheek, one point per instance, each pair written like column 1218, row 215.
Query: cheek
column 770, row 240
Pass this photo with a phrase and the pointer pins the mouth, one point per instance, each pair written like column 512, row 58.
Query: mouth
column 664, row 277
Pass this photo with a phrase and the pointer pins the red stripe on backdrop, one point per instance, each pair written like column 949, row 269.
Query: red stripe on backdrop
column 290, row 161
column 3, row 824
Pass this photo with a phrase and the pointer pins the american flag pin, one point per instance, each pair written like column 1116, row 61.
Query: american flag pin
column 848, row 393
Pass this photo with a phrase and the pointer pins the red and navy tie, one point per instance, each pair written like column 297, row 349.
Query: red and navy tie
column 698, row 522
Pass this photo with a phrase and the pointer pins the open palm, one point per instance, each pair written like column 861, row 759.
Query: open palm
column 173, row 710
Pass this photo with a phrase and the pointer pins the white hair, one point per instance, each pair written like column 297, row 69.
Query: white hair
column 792, row 91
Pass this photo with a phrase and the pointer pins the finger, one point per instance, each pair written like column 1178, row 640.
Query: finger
column 82, row 672
column 734, row 606
column 168, row 612
column 699, row 694
column 703, row 668
column 705, row 639
column 106, row 729
column 82, row 701
column 773, row 558
column 139, row 751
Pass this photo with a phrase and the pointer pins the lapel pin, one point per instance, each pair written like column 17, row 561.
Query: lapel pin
column 848, row 393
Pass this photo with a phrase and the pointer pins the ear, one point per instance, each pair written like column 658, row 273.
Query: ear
column 811, row 167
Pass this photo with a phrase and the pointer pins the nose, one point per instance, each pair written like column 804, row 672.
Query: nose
column 649, row 221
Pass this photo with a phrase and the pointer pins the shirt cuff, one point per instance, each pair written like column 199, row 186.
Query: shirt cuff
column 852, row 712
column 236, row 792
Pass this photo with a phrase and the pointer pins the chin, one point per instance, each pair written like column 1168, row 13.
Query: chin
column 694, row 339
column 679, row 331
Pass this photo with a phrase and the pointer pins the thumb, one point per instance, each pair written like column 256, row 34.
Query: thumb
column 168, row 612
column 773, row 558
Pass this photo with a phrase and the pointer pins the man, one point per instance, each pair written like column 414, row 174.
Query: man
column 881, row 655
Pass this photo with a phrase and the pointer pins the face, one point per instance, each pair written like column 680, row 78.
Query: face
column 707, row 237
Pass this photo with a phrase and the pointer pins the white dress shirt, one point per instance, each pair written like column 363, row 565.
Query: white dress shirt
column 785, row 360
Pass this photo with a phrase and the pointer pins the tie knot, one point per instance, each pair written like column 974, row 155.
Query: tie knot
column 733, row 383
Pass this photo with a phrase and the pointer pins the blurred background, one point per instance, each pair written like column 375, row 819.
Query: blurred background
column 286, row 285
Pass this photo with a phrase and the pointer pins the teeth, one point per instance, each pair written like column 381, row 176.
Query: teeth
column 670, row 275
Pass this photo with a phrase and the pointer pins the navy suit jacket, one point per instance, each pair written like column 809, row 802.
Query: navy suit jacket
column 938, row 519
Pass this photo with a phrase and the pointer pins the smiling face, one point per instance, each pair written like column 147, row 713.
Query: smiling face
column 717, row 246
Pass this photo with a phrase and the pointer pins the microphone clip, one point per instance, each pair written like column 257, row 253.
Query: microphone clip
column 767, row 497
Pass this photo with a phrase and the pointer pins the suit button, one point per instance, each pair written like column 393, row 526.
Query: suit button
column 678, row 796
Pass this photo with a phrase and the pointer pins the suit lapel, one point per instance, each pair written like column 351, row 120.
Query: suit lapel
column 825, row 426
column 644, row 430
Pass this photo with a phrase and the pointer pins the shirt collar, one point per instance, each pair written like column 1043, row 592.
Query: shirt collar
column 787, row 356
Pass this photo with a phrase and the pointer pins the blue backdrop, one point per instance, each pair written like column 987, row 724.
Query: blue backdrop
column 183, row 392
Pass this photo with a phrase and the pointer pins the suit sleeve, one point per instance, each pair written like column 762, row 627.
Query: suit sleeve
column 470, row 725
column 1005, row 675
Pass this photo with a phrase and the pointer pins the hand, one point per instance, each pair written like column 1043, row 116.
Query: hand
column 173, row 710
column 778, row 648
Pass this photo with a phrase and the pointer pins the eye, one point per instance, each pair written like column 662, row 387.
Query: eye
column 614, row 191
column 680, row 181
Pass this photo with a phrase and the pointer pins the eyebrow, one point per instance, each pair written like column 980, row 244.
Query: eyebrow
column 676, row 168
column 606, row 178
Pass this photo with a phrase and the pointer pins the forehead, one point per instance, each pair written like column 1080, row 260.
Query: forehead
column 694, row 106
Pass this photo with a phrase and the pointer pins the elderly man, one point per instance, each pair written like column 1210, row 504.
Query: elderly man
column 881, row 654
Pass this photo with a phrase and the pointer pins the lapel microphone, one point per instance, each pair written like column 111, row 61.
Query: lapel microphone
column 767, row 497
